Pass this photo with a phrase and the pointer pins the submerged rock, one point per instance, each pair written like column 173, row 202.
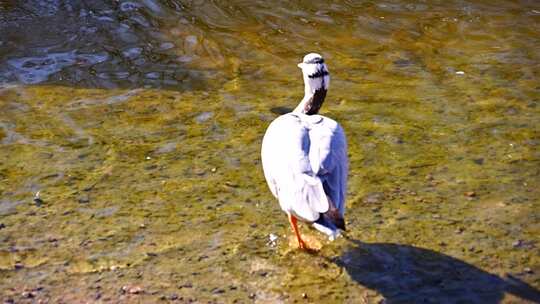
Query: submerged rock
column 272, row 239
column 470, row 194
column 28, row 294
column 132, row 289
column 204, row 116
column 478, row 161
column 84, row 199
column 373, row 198
column 37, row 199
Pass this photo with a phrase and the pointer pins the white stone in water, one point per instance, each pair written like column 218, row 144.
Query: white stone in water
column 152, row 75
column 129, row 6
column 166, row 46
column 132, row 53
column 167, row 148
column 190, row 42
column 105, row 18
column 184, row 58
column 191, row 39
column 121, row 75
column 273, row 237
column 204, row 116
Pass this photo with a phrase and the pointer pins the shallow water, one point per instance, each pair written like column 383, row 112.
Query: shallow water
column 140, row 123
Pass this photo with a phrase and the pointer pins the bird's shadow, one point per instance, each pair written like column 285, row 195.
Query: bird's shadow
column 408, row 274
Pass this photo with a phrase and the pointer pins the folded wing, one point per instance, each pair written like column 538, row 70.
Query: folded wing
column 305, row 163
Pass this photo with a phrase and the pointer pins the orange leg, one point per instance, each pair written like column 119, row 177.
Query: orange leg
column 294, row 226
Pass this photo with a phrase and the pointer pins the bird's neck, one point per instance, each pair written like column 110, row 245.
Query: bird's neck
column 312, row 101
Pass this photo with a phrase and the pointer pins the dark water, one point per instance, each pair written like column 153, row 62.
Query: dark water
column 140, row 122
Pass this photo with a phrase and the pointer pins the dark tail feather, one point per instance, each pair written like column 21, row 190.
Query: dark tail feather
column 332, row 218
column 335, row 217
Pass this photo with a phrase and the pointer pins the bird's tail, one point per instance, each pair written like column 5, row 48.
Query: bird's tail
column 331, row 219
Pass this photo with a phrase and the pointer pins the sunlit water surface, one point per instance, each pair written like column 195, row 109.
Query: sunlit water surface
column 140, row 123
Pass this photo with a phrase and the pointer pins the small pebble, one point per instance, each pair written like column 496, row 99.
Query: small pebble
column 37, row 199
column 166, row 46
column 373, row 198
column 135, row 290
column 528, row 270
column 304, row 295
column 132, row 289
column 517, row 243
column 460, row 73
column 84, row 199
column 28, row 294
column 186, row 285
column 478, row 161
column 470, row 193
column 272, row 237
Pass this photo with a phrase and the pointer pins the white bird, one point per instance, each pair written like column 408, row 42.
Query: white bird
column 304, row 158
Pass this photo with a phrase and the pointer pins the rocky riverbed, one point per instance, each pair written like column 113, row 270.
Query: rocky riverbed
column 130, row 139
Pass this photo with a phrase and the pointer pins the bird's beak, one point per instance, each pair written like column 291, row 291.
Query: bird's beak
column 301, row 65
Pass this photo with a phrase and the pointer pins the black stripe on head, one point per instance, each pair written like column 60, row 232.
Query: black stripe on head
column 315, row 60
column 319, row 73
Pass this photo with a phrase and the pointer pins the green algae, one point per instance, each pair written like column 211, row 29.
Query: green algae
column 163, row 189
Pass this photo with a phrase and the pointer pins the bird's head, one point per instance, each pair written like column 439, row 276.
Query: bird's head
column 315, row 72
column 316, row 82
